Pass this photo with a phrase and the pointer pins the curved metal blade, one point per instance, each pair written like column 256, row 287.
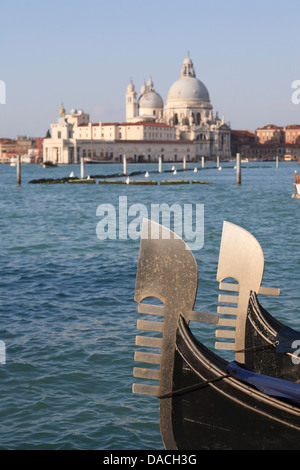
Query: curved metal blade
column 166, row 269
column 241, row 258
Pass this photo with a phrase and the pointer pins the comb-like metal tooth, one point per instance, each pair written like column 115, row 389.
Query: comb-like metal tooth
column 227, row 322
column 227, row 346
column 151, row 309
column 148, row 341
column 142, row 373
column 150, row 358
column 225, row 334
column 142, row 389
column 147, row 325
column 227, row 310
column 229, row 299
column 262, row 290
column 229, row 286
column 268, row 291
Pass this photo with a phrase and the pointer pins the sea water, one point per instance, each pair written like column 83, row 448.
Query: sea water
column 68, row 316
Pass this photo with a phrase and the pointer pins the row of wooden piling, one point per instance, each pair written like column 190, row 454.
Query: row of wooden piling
column 82, row 177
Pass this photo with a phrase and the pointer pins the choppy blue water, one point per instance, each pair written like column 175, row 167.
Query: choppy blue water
column 68, row 318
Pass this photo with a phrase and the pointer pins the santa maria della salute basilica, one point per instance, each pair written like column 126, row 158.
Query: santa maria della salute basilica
column 185, row 126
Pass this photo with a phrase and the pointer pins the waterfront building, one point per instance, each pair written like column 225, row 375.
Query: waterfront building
column 29, row 148
column 241, row 140
column 270, row 134
column 278, row 134
column 268, row 142
column 184, row 127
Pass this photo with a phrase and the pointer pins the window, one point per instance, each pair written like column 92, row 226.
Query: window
column 58, row 134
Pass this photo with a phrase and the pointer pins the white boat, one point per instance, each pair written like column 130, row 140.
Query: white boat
column 27, row 159
column 297, row 186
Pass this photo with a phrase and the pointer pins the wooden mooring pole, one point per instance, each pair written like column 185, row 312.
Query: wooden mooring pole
column 18, row 170
column 124, row 165
column 238, row 169
column 82, row 168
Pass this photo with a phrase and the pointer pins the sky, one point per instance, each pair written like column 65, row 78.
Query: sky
column 83, row 54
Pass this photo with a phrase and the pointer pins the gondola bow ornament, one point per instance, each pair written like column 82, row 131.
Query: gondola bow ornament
column 204, row 401
column 167, row 271
column 241, row 258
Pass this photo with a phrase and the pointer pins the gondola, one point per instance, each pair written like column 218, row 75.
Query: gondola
column 271, row 347
column 206, row 402
column 217, row 405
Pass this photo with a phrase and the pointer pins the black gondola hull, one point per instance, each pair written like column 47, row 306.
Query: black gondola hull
column 262, row 353
column 224, row 413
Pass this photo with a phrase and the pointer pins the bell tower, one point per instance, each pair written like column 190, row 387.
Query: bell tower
column 131, row 102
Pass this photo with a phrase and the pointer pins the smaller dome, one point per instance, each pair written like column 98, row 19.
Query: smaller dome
column 151, row 99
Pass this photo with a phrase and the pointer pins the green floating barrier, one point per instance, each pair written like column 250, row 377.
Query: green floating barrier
column 137, row 182
column 111, row 182
column 200, row 182
column 47, row 181
column 175, row 182
column 134, row 182
column 83, row 181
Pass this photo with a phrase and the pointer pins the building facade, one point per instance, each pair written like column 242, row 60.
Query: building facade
column 278, row 134
column 30, row 149
column 184, row 127
column 267, row 143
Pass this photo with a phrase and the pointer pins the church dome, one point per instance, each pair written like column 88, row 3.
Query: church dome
column 188, row 87
column 151, row 99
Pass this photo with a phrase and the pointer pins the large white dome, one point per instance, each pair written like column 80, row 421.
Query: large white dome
column 151, row 99
column 188, row 89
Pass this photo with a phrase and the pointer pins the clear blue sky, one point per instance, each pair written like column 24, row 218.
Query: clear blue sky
column 84, row 53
